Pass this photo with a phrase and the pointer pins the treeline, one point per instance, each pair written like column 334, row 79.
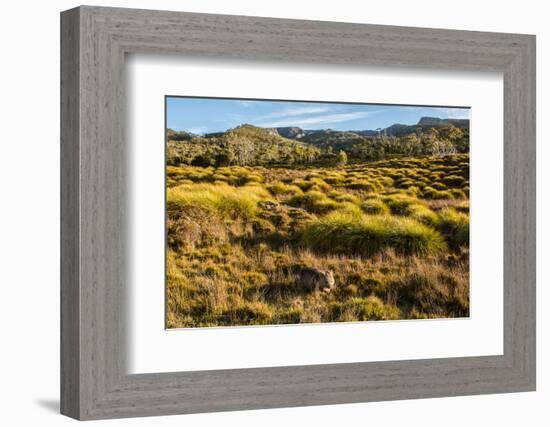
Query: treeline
column 248, row 145
column 434, row 142
column 245, row 145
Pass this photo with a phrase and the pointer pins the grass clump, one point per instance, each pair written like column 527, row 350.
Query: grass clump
column 374, row 206
column 370, row 308
column 455, row 227
column 220, row 199
column 280, row 188
column 453, row 180
column 363, row 185
column 432, row 193
column 426, row 295
column 424, row 215
column 369, row 234
column 314, row 202
column 339, row 196
column 458, row 194
column 249, row 313
column 401, row 204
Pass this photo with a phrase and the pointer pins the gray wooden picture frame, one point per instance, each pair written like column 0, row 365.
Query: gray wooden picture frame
column 94, row 382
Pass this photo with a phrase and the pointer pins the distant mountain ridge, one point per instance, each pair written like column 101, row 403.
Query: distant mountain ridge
column 397, row 129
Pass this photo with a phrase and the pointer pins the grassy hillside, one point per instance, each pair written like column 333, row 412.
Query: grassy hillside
column 395, row 233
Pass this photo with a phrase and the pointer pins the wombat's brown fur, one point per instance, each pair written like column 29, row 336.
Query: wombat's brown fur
column 312, row 279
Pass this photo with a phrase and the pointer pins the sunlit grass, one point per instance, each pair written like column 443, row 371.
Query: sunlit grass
column 222, row 199
column 395, row 233
column 366, row 235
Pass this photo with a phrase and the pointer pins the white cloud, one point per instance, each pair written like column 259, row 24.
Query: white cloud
column 323, row 119
column 295, row 112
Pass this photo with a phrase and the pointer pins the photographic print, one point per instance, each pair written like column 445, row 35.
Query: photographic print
column 293, row 212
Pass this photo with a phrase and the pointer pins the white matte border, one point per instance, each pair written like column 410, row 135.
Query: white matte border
column 154, row 349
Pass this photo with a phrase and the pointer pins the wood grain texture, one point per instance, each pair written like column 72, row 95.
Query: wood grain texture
column 70, row 221
column 95, row 383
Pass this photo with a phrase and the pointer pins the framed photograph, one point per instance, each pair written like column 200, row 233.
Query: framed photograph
column 261, row 213
column 273, row 223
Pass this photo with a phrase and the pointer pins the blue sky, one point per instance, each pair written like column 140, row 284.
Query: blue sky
column 204, row 115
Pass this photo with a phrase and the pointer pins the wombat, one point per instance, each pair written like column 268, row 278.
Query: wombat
column 312, row 279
